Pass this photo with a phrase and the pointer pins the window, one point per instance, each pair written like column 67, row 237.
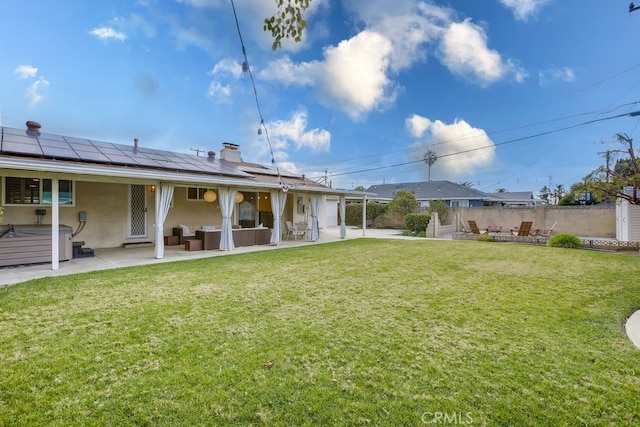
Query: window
column 459, row 203
column 196, row 193
column 35, row 191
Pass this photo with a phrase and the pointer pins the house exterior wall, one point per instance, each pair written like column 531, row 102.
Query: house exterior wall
column 107, row 209
column 105, row 205
column 590, row 221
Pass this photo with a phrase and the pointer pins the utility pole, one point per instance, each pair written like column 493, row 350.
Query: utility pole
column 197, row 150
column 607, row 158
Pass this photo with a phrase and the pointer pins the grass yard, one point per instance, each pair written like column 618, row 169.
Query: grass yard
column 360, row 332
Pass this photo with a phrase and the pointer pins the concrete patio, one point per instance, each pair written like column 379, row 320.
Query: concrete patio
column 126, row 257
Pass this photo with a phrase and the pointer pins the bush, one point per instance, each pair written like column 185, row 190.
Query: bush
column 353, row 213
column 485, row 238
column 565, row 240
column 417, row 222
column 441, row 207
column 403, row 202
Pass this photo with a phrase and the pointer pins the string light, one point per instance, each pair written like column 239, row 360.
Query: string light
column 247, row 70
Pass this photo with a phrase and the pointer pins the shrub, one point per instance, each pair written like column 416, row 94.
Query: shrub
column 485, row 238
column 441, row 207
column 417, row 222
column 353, row 213
column 403, row 202
column 565, row 240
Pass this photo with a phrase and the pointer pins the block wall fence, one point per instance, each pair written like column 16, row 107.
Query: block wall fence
column 592, row 221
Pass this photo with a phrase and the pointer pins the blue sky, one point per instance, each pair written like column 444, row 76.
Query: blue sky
column 488, row 85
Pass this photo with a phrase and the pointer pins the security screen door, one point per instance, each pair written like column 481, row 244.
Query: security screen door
column 137, row 211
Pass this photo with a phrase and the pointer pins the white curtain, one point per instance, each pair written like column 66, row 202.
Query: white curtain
column 343, row 223
column 315, row 226
column 278, row 200
column 164, row 194
column 227, row 202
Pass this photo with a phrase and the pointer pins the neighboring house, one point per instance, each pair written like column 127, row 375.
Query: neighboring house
column 515, row 198
column 115, row 194
column 454, row 195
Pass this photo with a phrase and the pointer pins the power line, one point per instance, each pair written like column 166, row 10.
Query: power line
column 247, row 69
column 632, row 114
column 470, row 136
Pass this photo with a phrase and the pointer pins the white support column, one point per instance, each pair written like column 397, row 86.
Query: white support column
column 364, row 215
column 55, row 224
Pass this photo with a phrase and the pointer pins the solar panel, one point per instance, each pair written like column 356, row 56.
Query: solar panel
column 28, row 143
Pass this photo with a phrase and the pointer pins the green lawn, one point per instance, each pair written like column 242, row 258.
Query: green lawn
column 360, row 332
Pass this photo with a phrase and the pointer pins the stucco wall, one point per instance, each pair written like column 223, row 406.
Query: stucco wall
column 591, row 221
column 107, row 208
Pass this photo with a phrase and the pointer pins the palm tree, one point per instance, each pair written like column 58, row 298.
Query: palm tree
column 430, row 158
column 466, row 184
column 501, row 190
column 558, row 193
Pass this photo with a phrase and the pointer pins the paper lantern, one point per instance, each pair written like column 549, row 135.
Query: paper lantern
column 210, row 196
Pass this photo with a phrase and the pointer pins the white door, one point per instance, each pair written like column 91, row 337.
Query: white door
column 331, row 212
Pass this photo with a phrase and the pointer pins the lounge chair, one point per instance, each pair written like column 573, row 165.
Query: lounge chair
column 523, row 230
column 543, row 233
column 474, row 228
column 492, row 227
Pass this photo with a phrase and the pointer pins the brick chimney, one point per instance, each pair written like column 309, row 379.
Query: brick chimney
column 230, row 152
column 211, row 156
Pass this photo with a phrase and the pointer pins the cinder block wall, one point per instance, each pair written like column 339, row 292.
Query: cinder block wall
column 591, row 221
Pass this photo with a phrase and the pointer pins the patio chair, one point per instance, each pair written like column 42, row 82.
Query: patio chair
column 293, row 231
column 543, row 233
column 523, row 230
column 492, row 227
column 474, row 227
column 290, row 229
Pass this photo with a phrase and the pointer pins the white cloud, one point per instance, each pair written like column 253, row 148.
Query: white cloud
column 357, row 75
column 25, row 71
column 565, row 75
column 227, row 67
column 107, row 33
column 285, row 71
column 523, row 9
column 219, row 92
column 463, row 49
column 459, row 146
column 352, row 77
column 417, row 125
column 34, row 94
column 295, row 131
